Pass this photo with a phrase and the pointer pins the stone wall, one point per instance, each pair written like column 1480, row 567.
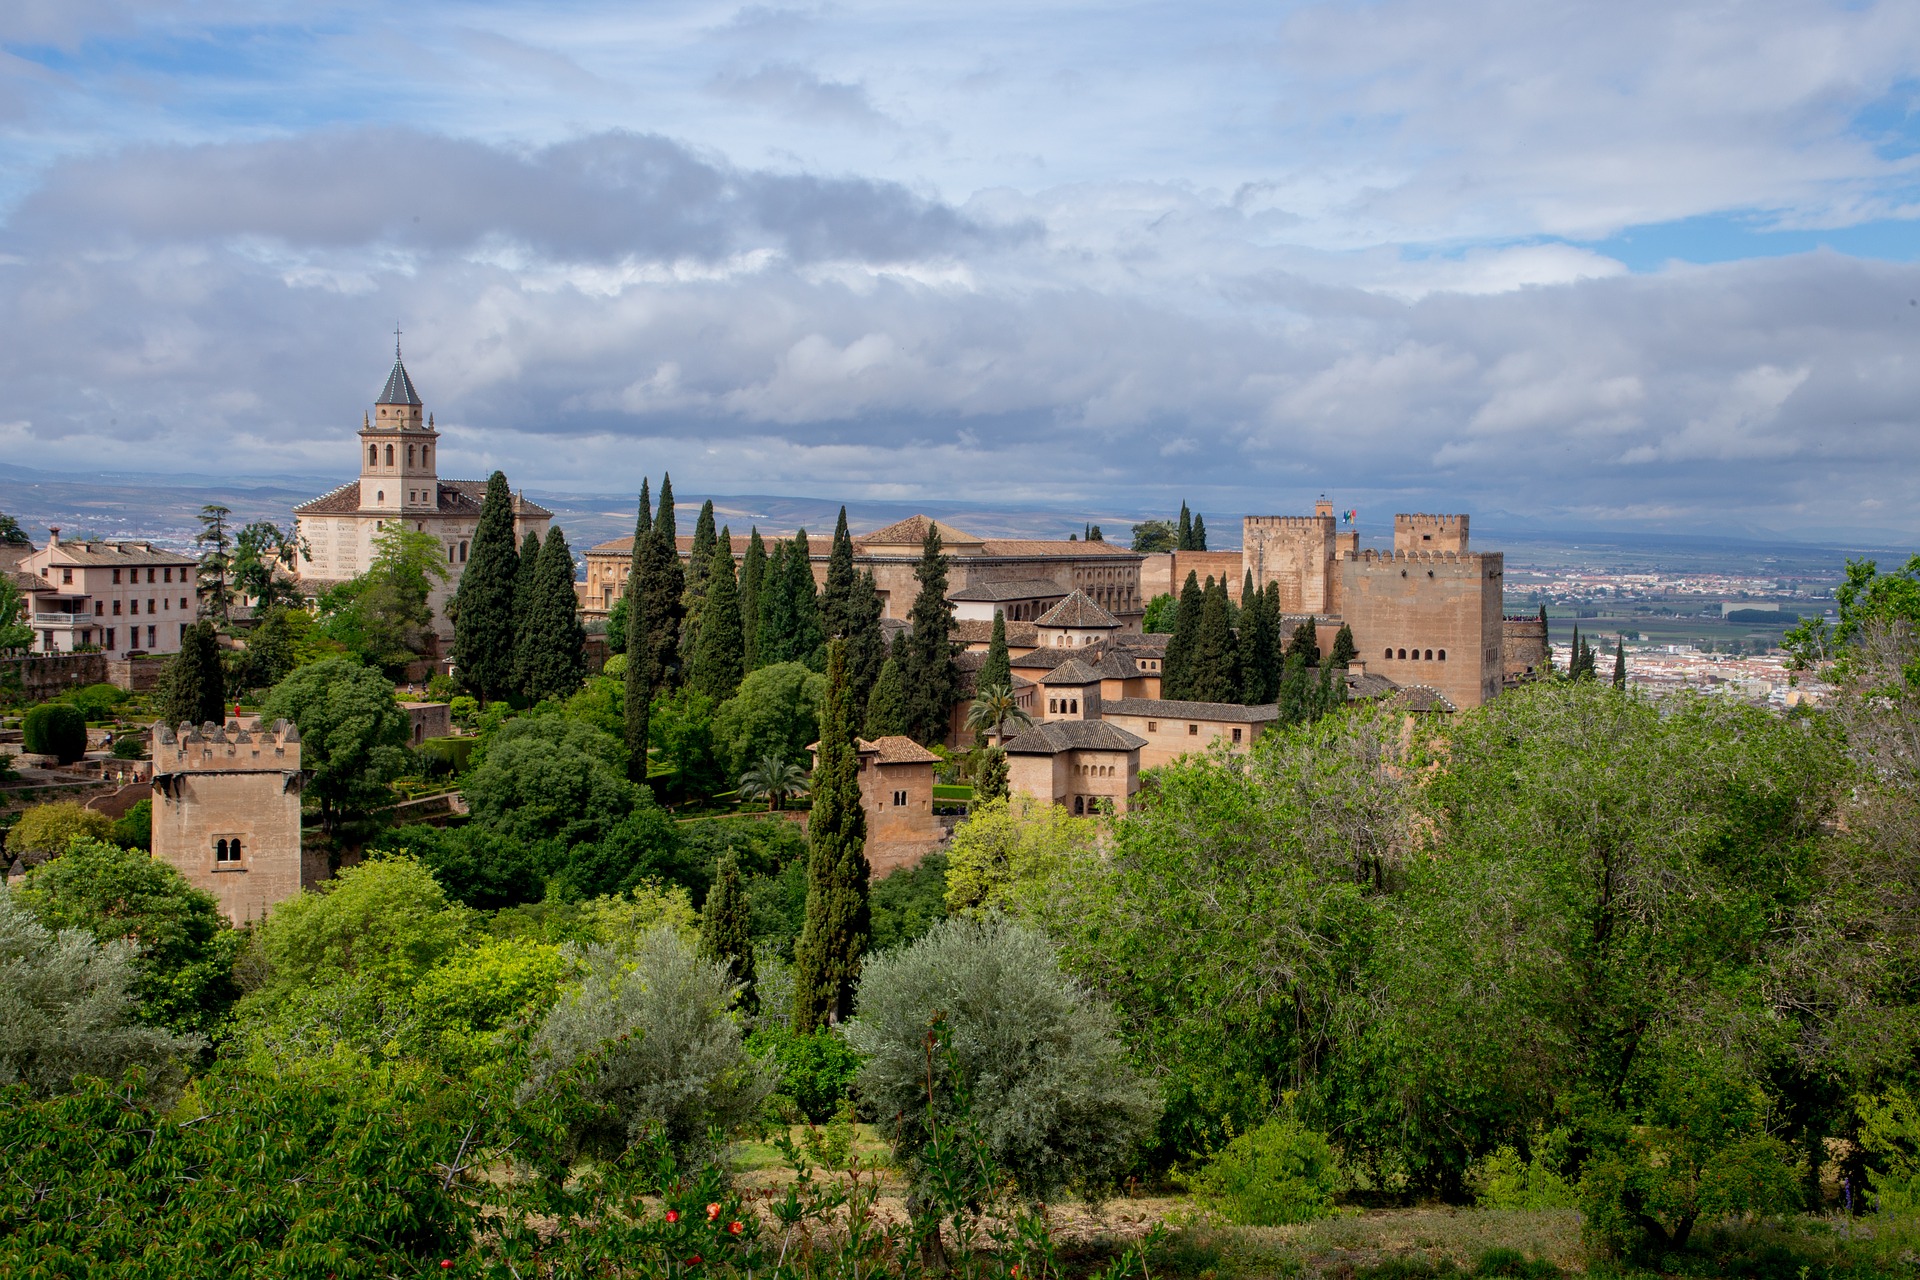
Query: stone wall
column 43, row 676
column 1297, row 552
column 1524, row 641
column 217, row 787
column 1421, row 603
column 1421, row 532
column 899, row 836
column 1165, row 572
column 136, row 675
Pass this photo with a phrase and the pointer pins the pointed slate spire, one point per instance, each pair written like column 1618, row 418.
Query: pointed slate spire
column 399, row 388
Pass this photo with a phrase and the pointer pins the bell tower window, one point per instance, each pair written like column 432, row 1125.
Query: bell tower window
column 409, row 455
column 373, row 455
column 389, row 455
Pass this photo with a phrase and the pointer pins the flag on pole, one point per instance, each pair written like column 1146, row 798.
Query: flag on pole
column 1350, row 517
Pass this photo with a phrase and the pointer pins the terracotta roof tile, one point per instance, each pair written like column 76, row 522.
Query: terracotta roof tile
column 1072, row 671
column 980, row 631
column 1018, row 589
column 1078, row 612
column 1228, row 712
column 1052, row 737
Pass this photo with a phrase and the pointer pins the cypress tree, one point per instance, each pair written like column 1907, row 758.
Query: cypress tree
column 753, row 575
column 931, row 677
column 1184, row 539
column 1619, row 662
column 557, row 645
column 1213, row 670
column 719, row 652
column 803, row 599
column 838, row 604
column 483, row 631
column 637, row 700
column 1344, row 649
column 1296, row 691
column 699, row 561
column 1260, row 647
column 524, row 589
column 1186, row 631
column 887, row 704
column 1306, row 642
column 826, row 959
column 998, row 668
column 1333, row 689
column 1546, row 638
column 723, row 924
column 866, row 646
column 776, row 611
column 662, row 583
column 193, row 689
column 1199, row 533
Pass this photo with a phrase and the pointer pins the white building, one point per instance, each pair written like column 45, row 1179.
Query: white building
column 117, row 597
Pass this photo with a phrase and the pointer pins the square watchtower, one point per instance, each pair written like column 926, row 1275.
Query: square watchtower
column 226, row 813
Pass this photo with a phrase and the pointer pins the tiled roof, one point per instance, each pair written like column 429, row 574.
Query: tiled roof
column 895, row 749
column 1370, row 685
column 343, row 501
column 1051, row 737
column 980, row 631
column 33, row 582
column 1072, row 671
column 115, row 554
column 1019, row 589
column 1230, row 712
column 399, row 388
column 456, row 498
column 1079, row 612
column 1051, row 548
column 913, row 531
column 1043, row 659
column 1153, row 643
column 1422, row 697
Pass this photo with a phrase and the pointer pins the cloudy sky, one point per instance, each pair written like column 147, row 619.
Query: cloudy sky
column 1586, row 264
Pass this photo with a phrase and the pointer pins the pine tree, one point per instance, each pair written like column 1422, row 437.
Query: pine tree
column 637, row 700
column 723, row 923
column 887, row 704
column 1260, row 647
column 662, row 584
column 1213, row 671
column 998, row 667
column 483, row 631
column 753, row 575
column 193, row 688
column 931, row 677
column 1306, row 642
column 719, row 652
column 557, row 645
column 1620, row 662
column 807, row 640
column 1344, row 649
column 776, row 610
column 524, row 589
column 826, row 959
column 1184, row 539
column 1186, row 632
column 1199, row 533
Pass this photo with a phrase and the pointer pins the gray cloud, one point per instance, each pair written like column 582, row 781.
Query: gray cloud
column 786, row 87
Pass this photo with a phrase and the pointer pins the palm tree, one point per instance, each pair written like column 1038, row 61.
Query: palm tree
column 994, row 705
column 772, row 779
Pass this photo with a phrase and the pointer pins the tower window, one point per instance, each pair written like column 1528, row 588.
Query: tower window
column 409, row 455
column 227, row 850
column 373, row 455
column 463, row 553
column 426, row 452
column 389, row 455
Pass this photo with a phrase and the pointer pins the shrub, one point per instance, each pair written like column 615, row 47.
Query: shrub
column 662, row 1055
column 47, row 829
column 1031, row 1053
column 475, row 866
column 1507, row 1180
column 815, row 1070
column 130, row 746
column 1277, row 1174
column 57, row 729
column 96, row 701
column 385, row 923
column 134, row 828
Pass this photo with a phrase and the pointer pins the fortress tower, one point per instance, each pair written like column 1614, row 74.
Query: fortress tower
column 1430, row 533
column 226, row 813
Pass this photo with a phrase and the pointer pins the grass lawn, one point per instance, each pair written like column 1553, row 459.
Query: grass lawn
column 952, row 791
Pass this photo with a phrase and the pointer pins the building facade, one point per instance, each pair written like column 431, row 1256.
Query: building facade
column 226, row 814
column 399, row 483
column 896, row 795
column 117, row 597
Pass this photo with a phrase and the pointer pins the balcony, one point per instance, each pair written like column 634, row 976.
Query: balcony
column 51, row 618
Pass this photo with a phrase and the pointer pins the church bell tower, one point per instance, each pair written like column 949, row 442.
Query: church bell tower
column 397, row 467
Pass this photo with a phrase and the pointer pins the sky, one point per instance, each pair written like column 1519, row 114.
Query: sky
column 1583, row 265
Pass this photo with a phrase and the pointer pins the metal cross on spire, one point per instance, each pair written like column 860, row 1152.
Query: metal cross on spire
column 396, row 339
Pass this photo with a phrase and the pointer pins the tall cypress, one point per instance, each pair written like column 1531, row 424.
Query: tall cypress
column 1260, row 647
column 1213, row 671
column 699, row 561
column 866, row 645
column 1186, row 631
column 483, row 631
column 753, row 575
column 1183, row 541
column 637, row 699
column 719, row 651
column 1305, row 641
column 1619, row 662
column 1344, row 649
column 826, row 959
column 932, row 678
column 556, row 648
column 1199, row 533
column 193, row 687
column 723, row 923
column 776, row 609
column 524, row 589
column 808, row 634
column 887, row 704
column 661, row 584
column 837, row 597
column 998, row 668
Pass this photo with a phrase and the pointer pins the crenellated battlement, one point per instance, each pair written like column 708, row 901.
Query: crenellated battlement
column 1286, row 522
column 1421, row 531
column 1423, row 557
column 226, row 748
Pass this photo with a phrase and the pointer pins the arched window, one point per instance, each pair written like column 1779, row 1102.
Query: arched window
column 426, row 454
column 1429, row 655
column 1403, row 653
column 409, row 455
column 463, row 553
column 1388, row 654
column 380, row 495
column 373, row 455
column 1073, row 707
column 389, row 455
column 449, row 553
column 1079, row 807
column 1443, row 655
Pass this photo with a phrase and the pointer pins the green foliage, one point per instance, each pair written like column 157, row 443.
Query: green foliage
column 1277, row 1174
column 815, row 1070
column 908, row 903
column 96, row 701
column 1506, row 1179
column 193, row 686
column 776, row 712
column 468, row 1008
column 719, row 652
column 1344, row 650
column 526, row 599
column 1159, row 617
column 656, row 595
column 1260, row 664
column 283, row 638
column 1174, row 668
column 1199, row 533
column 69, row 1008
column 475, row 865
column 215, row 587
column 353, row 735
column 1866, row 599
column 996, row 709
column 545, row 777
column 134, row 829
column 1183, row 538
column 826, row 959
column 773, row 779
column 724, row 936
column 1007, row 852
column 15, row 635
column 601, row 702
column 887, row 704
column 57, row 729
column 930, row 678
column 555, row 642
column 683, row 739
column 383, row 923
column 666, row 1059
column 637, row 680
column 265, row 558
column 1212, row 672
column 643, row 846
column 185, row 949
column 483, row 604
column 1305, row 641
column 1154, row 536
column 1890, row 1135
column 616, row 634
column 47, row 829
column 997, row 669
column 384, row 617
column 1034, row 1058
column 753, row 576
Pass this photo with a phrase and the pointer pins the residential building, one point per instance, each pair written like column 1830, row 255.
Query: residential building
column 116, row 597
column 896, row 794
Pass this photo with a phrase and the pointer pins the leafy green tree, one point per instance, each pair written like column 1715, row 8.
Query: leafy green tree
column 683, row 739
column 723, row 926
column 70, row 1008
column 11, row 534
column 827, row 957
column 775, row 712
column 57, row 729
column 661, row 585
column 526, row 595
column 1175, row 674
column 1003, row 857
column 661, row 1050
column 476, row 865
column 185, row 949
column 385, row 614
column 467, row 1010
column 281, row 639
column 640, row 849
column 264, row 558
column 384, row 923
column 1213, row 670
column 772, row 778
column 719, row 653
column 991, row 777
column 193, row 687
column 1344, row 649
column 1153, row 536
column 997, row 668
column 15, row 635
column 638, row 677
column 931, row 678
column 1864, row 598
column 1184, row 537
column 906, row 904
column 1273, row 1176
column 45, row 830
column 215, row 587
column 617, row 629
column 550, row 778
column 1023, row 1051
column 887, row 705
column 753, row 573
column 353, row 735
column 557, row 647
column 1159, row 617
column 483, row 604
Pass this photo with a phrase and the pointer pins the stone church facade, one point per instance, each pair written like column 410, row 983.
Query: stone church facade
column 399, row 481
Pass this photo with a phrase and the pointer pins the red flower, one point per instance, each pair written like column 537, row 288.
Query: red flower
column 694, row 1261
column 733, row 1228
column 445, row 1263
column 713, row 1211
column 673, row 1215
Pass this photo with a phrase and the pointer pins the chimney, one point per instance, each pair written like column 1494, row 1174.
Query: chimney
column 53, row 529
column 1356, row 668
